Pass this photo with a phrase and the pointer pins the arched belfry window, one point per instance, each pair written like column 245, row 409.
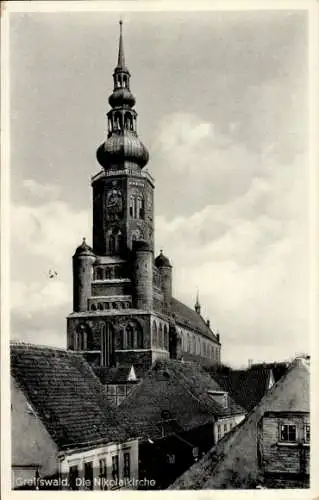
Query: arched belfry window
column 193, row 344
column 112, row 244
column 110, row 125
column 124, row 81
column 106, row 344
column 155, row 334
column 140, row 207
column 161, row 336
column 166, row 340
column 128, row 121
column 132, row 206
column 120, row 241
column 129, row 337
column 81, row 338
column 139, row 338
column 118, row 121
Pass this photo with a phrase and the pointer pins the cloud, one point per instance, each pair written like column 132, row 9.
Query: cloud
column 49, row 230
column 41, row 191
column 43, row 237
column 245, row 247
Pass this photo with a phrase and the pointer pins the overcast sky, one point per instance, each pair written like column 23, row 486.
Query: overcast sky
column 222, row 104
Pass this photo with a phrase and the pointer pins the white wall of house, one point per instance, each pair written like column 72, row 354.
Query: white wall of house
column 105, row 453
column 223, row 425
column 31, row 445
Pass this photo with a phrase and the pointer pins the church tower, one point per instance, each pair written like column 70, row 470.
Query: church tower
column 124, row 312
column 122, row 196
column 113, row 279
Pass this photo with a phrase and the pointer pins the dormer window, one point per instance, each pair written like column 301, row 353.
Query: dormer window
column 221, row 397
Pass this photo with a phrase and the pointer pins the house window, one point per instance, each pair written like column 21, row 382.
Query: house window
column 115, row 468
column 127, row 466
column 88, row 475
column 103, row 473
column 307, row 433
column 288, row 433
column 219, row 432
column 195, row 453
column 73, row 476
column 225, row 428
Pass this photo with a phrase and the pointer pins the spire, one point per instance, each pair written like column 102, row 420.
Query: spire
column 121, row 58
column 197, row 304
column 122, row 147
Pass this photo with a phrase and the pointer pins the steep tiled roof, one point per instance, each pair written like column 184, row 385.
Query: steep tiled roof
column 278, row 369
column 247, row 387
column 66, row 395
column 191, row 319
column 232, row 463
column 179, row 388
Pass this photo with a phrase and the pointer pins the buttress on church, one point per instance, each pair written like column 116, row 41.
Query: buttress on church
column 123, row 309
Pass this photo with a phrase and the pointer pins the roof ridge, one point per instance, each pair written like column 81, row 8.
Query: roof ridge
column 23, row 343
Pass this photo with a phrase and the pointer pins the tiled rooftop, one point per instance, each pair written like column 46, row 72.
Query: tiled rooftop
column 66, row 395
column 180, row 388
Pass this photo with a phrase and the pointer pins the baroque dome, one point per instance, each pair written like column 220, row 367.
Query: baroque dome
column 120, row 148
column 84, row 249
column 162, row 261
column 121, row 97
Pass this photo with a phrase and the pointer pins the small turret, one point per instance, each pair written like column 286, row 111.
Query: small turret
column 143, row 274
column 197, row 304
column 165, row 269
column 83, row 260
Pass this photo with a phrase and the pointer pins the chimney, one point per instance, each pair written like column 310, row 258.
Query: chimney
column 208, row 323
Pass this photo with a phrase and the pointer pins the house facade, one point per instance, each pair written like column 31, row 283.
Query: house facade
column 283, row 445
column 270, row 448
